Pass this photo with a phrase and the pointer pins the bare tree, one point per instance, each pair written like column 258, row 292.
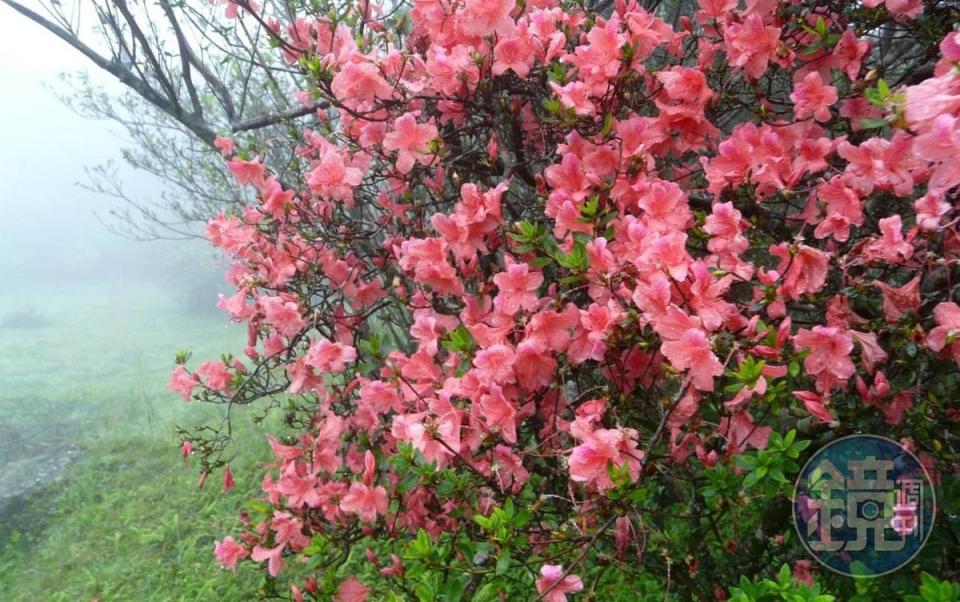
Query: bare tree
column 190, row 75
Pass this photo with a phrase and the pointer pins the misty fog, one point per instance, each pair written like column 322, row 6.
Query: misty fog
column 50, row 230
column 90, row 322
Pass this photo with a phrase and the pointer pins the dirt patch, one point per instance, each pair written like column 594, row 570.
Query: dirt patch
column 25, row 476
column 36, row 451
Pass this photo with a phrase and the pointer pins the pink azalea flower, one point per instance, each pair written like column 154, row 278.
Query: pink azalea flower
column 499, row 413
column 182, row 383
column 495, row 364
column 931, row 98
column 486, row 17
column 515, row 53
column 803, row 572
column 411, row 141
column 427, row 259
column 533, row 366
column 685, row 86
column 576, row 96
column 451, row 69
column 229, row 552
column 273, row 556
column 274, row 198
column 806, row 269
column 248, row 172
column 941, row 145
column 892, row 247
column 365, row 501
column 714, row 9
column 899, row 301
column 930, row 210
column 857, row 109
column 351, row 590
column 893, row 410
column 329, row 358
column 950, row 46
column 518, row 288
column 552, row 328
column 726, row 226
column 228, row 481
column 360, row 81
column 508, row 469
column 817, row 406
column 899, row 8
column 282, row 314
column 849, row 53
column 751, row 45
column 597, row 62
column 843, row 209
column 692, row 352
column 741, row 431
column 554, row 586
column 233, row 8
column 396, row 568
column 299, row 489
column 215, row 375
column 332, row 177
column 829, row 359
column 624, row 534
column 880, row 164
column 590, row 461
column 224, row 145
column 812, row 97
column 947, row 332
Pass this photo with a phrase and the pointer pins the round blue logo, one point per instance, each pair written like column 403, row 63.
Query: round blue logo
column 864, row 506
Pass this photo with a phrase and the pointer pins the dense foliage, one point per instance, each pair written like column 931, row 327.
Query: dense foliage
column 560, row 299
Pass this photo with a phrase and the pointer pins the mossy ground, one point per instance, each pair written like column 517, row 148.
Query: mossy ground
column 124, row 518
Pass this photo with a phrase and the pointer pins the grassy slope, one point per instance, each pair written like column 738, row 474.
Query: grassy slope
column 128, row 523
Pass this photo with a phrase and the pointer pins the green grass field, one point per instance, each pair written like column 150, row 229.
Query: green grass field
column 82, row 385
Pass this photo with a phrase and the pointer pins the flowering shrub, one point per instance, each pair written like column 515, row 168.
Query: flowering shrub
column 562, row 297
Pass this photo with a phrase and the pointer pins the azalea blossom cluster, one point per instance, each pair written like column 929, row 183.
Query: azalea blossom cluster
column 553, row 256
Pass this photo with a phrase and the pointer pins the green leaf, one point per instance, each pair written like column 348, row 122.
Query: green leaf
column 459, row 340
column 552, row 105
column 425, row 592
column 791, row 436
column 883, row 88
column 589, row 208
column 873, row 123
column 503, row 562
column 821, row 26
column 576, row 259
column 607, row 125
column 453, row 591
column 785, row 576
column 752, row 479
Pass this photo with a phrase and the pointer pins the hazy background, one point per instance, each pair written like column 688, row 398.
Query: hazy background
column 95, row 502
column 48, row 228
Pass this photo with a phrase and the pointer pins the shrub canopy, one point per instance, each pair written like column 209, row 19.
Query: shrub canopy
column 561, row 296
